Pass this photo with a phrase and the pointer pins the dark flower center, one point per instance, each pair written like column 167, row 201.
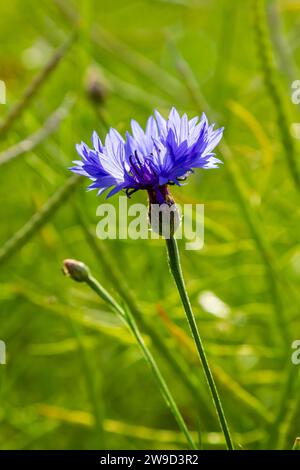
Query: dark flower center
column 142, row 171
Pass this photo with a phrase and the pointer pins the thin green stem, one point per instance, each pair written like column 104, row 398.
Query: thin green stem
column 129, row 321
column 175, row 266
column 163, row 386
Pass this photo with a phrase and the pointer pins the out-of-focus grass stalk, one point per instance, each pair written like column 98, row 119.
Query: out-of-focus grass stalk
column 145, row 67
column 36, row 84
column 264, row 50
column 32, row 141
column 97, row 404
column 281, row 47
column 97, row 89
column 175, row 266
column 65, row 311
column 110, row 269
column 267, row 154
column 238, row 393
column 38, row 220
column 129, row 92
column 291, row 424
column 159, row 437
column 139, row 62
column 279, row 429
column 254, row 225
column 82, row 274
column 164, row 388
column 225, row 43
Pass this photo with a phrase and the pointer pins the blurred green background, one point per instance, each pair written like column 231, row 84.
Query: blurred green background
column 74, row 377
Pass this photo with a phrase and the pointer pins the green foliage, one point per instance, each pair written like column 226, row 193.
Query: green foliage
column 75, row 377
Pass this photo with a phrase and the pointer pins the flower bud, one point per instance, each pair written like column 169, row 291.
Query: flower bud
column 96, row 88
column 164, row 216
column 76, row 270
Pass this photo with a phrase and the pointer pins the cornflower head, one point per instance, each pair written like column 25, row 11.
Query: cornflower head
column 163, row 154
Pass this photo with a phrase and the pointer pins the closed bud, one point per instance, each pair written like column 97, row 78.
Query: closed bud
column 96, row 88
column 76, row 270
column 164, row 216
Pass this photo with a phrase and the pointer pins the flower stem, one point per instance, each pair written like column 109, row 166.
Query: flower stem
column 130, row 322
column 79, row 272
column 111, row 270
column 175, row 266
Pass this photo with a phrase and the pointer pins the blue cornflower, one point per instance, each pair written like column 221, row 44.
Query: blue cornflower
column 164, row 154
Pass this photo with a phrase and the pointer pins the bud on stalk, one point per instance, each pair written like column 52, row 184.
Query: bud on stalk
column 164, row 216
column 77, row 270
